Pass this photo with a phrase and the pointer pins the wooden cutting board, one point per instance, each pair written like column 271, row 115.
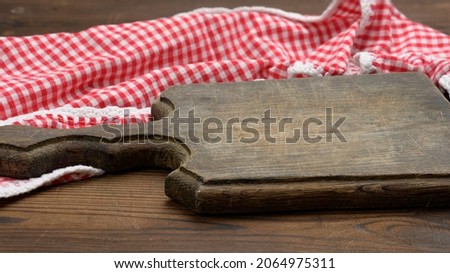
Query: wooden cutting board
column 370, row 141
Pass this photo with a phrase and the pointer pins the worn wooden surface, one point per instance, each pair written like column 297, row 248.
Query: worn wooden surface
column 129, row 212
column 27, row 17
column 315, row 143
column 380, row 155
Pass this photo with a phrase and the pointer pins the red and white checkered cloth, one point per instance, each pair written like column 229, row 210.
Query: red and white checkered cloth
column 68, row 80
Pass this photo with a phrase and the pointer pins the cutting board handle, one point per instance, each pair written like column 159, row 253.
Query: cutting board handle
column 27, row 152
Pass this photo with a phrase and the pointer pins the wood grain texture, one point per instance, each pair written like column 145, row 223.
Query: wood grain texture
column 389, row 149
column 25, row 17
column 129, row 212
column 28, row 152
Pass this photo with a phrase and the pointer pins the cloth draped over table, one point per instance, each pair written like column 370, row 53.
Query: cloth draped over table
column 73, row 80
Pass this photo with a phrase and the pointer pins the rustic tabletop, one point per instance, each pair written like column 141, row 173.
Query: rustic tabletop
column 129, row 212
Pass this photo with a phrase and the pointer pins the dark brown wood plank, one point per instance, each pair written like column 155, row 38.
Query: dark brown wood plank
column 130, row 212
column 380, row 155
column 25, row 17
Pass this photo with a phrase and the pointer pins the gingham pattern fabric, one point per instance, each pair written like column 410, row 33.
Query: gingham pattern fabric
column 70, row 80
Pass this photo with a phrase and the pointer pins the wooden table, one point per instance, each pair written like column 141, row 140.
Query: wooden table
column 129, row 212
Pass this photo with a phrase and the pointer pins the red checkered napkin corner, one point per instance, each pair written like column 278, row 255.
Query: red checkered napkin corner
column 71, row 80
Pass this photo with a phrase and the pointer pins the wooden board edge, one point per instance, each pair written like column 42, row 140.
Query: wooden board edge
column 182, row 186
column 188, row 190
